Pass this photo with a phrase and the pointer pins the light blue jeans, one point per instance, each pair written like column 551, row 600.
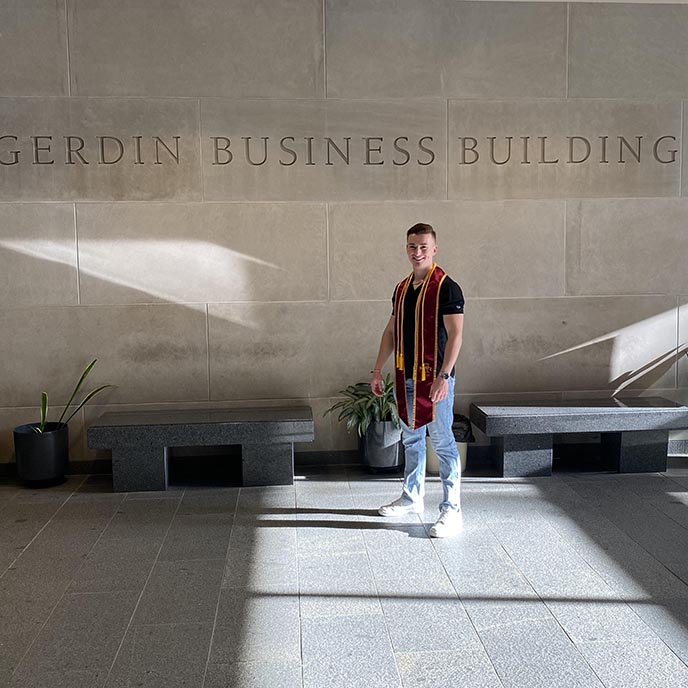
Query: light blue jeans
column 443, row 442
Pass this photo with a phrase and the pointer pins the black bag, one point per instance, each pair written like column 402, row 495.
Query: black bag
column 462, row 429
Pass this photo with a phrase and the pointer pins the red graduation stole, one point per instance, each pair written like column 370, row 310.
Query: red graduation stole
column 425, row 346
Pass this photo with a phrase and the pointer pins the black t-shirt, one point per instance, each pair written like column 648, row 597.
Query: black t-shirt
column 451, row 302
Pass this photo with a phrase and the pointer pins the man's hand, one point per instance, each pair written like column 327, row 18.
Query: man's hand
column 376, row 384
column 439, row 390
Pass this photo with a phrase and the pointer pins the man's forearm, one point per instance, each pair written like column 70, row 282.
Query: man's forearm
column 385, row 350
column 451, row 353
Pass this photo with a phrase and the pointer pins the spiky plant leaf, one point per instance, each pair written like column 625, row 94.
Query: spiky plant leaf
column 87, row 398
column 84, row 375
column 44, row 411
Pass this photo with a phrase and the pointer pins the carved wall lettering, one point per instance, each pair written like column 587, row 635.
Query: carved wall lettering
column 103, row 149
column 498, row 150
column 329, row 151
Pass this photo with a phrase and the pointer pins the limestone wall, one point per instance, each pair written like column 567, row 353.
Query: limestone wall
column 211, row 197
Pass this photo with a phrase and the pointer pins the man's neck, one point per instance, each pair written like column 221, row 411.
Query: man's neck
column 420, row 275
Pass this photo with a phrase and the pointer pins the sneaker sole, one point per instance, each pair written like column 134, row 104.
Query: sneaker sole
column 450, row 533
column 410, row 510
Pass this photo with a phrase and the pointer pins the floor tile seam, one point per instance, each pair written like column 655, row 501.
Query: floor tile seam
column 602, row 509
column 508, row 555
column 286, row 593
column 126, row 538
column 170, row 624
column 552, row 615
column 93, row 593
column 298, row 593
column 653, row 505
column 575, row 645
column 171, row 495
column 71, row 581
column 670, row 517
column 456, row 651
column 319, row 557
column 631, row 537
column 581, row 554
column 625, row 641
column 199, row 559
column 470, row 619
column 620, row 593
column 47, row 523
column 140, row 597
column 650, row 553
column 673, row 652
column 219, row 592
column 664, row 499
column 207, row 514
column 261, row 660
column 572, row 644
column 652, row 634
column 388, row 633
column 513, row 624
column 638, row 641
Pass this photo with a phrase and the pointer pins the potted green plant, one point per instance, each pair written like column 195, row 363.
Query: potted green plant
column 42, row 449
column 376, row 420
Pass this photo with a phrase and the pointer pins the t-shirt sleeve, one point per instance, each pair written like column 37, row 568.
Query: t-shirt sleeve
column 451, row 298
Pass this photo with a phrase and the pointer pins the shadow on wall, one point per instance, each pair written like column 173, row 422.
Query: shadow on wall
column 650, row 372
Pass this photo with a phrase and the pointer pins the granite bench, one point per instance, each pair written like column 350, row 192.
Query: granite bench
column 634, row 431
column 140, row 442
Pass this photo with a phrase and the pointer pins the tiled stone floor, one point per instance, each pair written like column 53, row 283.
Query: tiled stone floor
column 574, row 580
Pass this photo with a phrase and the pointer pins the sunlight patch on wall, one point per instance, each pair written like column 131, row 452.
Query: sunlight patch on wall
column 637, row 351
column 136, row 272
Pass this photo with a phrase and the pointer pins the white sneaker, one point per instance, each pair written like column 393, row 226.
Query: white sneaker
column 449, row 523
column 401, row 506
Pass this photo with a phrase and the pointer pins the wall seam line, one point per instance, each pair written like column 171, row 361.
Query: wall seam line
column 684, row 147
column 200, row 151
column 78, row 262
column 566, row 243
column 568, row 31
column 446, row 162
column 678, row 340
column 327, row 250
column 207, row 345
column 68, row 47
column 324, row 46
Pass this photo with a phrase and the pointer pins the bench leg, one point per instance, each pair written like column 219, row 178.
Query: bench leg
column 267, row 464
column 523, row 456
column 139, row 469
column 637, row 451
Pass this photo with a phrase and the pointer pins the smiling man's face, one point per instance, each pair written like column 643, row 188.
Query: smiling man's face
column 421, row 249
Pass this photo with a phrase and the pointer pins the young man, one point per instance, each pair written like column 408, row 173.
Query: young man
column 424, row 333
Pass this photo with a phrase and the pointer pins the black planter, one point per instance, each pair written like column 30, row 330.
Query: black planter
column 41, row 456
column 381, row 447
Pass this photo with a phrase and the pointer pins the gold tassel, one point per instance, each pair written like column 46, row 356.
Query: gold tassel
column 399, row 324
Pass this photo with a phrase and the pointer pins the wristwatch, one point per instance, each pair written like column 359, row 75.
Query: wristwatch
column 444, row 376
